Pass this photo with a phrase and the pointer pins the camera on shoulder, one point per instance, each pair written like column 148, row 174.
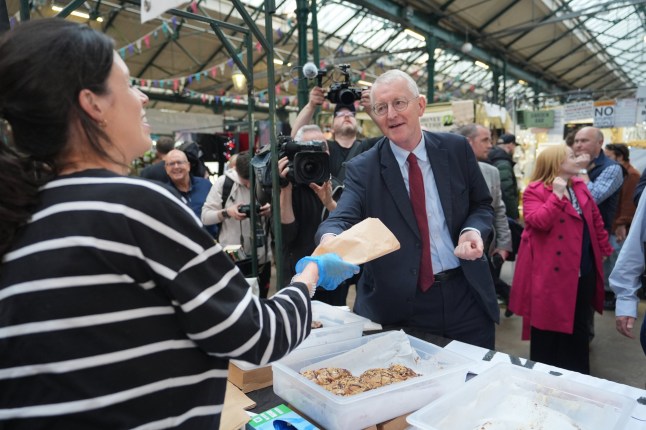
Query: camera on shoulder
column 308, row 161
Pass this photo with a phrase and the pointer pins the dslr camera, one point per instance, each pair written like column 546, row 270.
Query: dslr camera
column 246, row 209
column 308, row 161
column 342, row 92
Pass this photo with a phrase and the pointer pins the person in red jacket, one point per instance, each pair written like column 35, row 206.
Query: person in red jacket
column 559, row 273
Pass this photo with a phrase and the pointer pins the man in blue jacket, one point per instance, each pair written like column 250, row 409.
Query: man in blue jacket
column 438, row 282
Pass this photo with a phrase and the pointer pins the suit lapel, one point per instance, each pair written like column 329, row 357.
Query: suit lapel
column 392, row 176
column 439, row 160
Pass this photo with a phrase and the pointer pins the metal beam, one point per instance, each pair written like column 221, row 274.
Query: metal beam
column 210, row 21
column 431, row 44
column 4, row 17
column 70, row 8
column 25, row 8
column 553, row 41
column 545, row 18
column 396, row 13
column 302, row 12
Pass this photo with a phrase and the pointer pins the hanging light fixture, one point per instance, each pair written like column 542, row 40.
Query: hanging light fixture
column 467, row 46
column 239, row 80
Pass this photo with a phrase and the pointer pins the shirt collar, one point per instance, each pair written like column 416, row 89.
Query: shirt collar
column 401, row 155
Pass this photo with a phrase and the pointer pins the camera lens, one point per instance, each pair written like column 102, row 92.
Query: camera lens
column 311, row 167
column 346, row 97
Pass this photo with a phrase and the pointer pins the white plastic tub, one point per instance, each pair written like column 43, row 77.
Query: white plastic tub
column 359, row 411
column 513, row 397
column 338, row 325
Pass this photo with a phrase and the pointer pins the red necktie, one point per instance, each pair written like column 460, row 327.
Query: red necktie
column 418, row 201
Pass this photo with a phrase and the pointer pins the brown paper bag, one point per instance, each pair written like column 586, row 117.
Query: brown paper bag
column 363, row 242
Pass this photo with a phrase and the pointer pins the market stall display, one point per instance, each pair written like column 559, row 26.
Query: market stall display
column 440, row 371
column 513, row 397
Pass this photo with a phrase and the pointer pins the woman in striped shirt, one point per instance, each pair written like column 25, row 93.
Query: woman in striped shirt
column 116, row 309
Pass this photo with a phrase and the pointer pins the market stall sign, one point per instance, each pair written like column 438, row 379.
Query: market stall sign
column 579, row 111
column 604, row 113
column 536, row 118
column 437, row 121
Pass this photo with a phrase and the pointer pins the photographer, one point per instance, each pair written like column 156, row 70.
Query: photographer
column 344, row 128
column 301, row 206
column 228, row 205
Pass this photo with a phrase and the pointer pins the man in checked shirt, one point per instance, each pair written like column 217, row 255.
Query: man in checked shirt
column 604, row 178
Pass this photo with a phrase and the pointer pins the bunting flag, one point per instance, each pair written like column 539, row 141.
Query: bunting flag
column 146, row 40
column 209, row 99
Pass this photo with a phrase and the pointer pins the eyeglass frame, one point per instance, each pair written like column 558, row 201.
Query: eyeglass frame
column 344, row 113
column 175, row 163
column 402, row 109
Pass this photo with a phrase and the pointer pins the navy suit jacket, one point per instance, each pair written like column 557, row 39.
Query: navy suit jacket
column 374, row 188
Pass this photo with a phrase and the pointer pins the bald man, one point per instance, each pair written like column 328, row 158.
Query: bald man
column 193, row 190
column 604, row 178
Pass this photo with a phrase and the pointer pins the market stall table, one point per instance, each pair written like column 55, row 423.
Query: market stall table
column 484, row 359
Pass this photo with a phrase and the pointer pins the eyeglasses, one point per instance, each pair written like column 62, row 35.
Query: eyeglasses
column 175, row 163
column 400, row 105
column 341, row 114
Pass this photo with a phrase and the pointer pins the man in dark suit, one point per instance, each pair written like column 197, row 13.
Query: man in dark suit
column 447, row 291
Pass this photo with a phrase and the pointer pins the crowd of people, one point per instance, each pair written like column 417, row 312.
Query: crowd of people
column 130, row 273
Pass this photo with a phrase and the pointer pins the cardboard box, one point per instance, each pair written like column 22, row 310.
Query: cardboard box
column 234, row 415
column 249, row 378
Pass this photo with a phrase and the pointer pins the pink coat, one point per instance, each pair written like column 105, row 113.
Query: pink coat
column 547, row 268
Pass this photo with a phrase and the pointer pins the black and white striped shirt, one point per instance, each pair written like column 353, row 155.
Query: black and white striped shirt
column 117, row 310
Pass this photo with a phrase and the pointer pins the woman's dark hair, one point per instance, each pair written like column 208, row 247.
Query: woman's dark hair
column 44, row 65
column 619, row 149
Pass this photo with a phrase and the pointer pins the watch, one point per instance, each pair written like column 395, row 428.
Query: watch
column 583, row 172
column 225, row 214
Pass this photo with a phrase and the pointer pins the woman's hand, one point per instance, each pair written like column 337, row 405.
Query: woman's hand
column 558, row 187
column 332, row 270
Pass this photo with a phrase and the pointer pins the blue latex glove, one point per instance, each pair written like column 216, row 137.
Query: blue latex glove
column 332, row 269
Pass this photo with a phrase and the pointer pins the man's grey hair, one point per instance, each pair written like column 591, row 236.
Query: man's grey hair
column 390, row 77
column 468, row 130
column 310, row 128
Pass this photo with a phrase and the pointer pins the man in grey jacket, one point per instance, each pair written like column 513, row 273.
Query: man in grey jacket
column 479, row 138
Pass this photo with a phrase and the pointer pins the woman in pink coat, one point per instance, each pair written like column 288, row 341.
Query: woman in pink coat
column 559, row 275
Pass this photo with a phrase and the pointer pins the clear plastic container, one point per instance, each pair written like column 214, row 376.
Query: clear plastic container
column 371, row 407
column 338, row 325
column 513, row 397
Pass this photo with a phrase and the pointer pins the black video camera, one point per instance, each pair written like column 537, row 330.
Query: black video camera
column 308, row 161
column 246, row 209
column 342, row 92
